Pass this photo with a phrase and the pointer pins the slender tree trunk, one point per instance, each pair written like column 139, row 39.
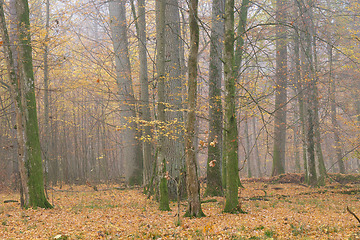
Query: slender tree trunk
column 280, row 90
column 214, row 160
column 310, row 87
column 296, row 143
column 230, row 128
column 47, row 144
column 133, row 164
column 298, row 58
column 247, row 147
column 335, row 125
column 193, row 185
column 319, row 154
column 257, row 153
column 147, row 147
column 160, row 69
column 240, row 42
column 13, row 40
column 54, row 163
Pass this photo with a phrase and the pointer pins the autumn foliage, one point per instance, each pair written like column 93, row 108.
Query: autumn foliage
column 274, row 211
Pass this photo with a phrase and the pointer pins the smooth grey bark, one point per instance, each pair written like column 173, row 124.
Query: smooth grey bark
column 318, row 148
column 298, row 59
column 280, row 90
column 296, row 142
column 214, row 158
column 310, row 88
column 147, row 147
column 46, row 143
column 174, row 144
column 335, row 125
column 247, row 147
column 133, row 162
column 161, row 126
column 13, row 39
column 257, row 153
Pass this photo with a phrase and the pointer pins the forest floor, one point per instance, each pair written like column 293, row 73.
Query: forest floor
column 274, row 211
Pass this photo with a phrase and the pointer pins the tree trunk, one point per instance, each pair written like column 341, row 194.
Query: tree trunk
column 13, row 39
column 319, row 154
column 335, row 125
column 133, row 164
column 193, row 185
column 147, row 147
column 47, row 144
column 280, row 90
column 173, row 98
column 247, row 147
column 214, row 160
column 257, row 154
column 23, row 94
column 309, row 79
column 230, row 128
column 298, row 58
column 160, row 69
column 240, row 42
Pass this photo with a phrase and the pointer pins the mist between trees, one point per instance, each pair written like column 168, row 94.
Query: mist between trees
column 163, row 94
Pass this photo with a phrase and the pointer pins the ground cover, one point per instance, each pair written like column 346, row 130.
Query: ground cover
column 274, row 211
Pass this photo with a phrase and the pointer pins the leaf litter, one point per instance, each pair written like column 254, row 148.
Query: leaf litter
column 274, row 211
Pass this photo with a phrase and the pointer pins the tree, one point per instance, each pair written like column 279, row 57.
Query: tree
column 160, row 70
column 133, row 164
column 47, row 144
column 319, row 154
column 310, row 87
column 280, row 90
column 174, row 145
column 144, row 94
column 334, row 122
column 214, row 180
column 192, row 181
column 23, row 94
column 230, row 127
column 299, row 83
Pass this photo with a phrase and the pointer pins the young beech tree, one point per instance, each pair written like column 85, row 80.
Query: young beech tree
column 174, row 145
column 23, row 94
column 214, row 183
column 280, row 90
column 231, row 130
column 310, row 88
column 160, row 69
column 192, row 181
column 144, row 91
column 130, row 146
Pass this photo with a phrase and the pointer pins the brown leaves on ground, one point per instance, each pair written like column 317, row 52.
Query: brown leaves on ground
column 275, row 211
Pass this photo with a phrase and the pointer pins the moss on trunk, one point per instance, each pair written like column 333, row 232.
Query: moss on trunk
column 33, row 162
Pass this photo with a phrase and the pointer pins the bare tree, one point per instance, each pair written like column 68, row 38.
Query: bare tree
column 23, row 94
column 214, row 161
column 280, row 90
column 133, row 164
column 193, row 185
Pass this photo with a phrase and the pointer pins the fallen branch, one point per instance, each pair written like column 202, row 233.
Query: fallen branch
column 9, row 201
column 348, row 209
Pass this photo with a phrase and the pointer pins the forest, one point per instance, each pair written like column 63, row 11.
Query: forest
column 173, row 119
